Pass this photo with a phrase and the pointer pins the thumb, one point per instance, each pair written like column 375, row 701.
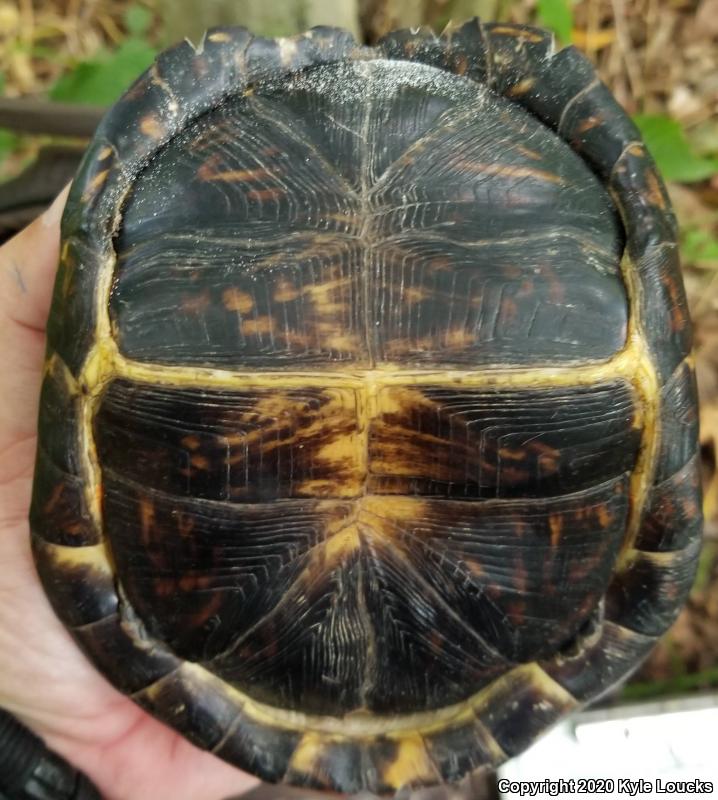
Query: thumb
column 28, row 263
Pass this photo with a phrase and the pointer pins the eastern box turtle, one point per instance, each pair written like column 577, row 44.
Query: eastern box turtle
column 368, row 428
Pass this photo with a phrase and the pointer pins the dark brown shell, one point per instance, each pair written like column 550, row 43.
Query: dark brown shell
column 368, row 432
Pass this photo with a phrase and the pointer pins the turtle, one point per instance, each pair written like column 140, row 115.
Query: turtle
column 368, row 432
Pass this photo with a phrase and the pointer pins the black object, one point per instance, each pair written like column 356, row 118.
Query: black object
column 46, row 117
column 31, row 771
column 25, row 197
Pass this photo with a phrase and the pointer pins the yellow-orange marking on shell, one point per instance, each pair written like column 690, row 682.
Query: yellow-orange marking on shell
column 342, row 341
column 191, row 442
column 605, row 517
column 151, row 126
column 393, row 508
column 93, row 186
column 458, row 338
column 654, row 190
column 199, row 461
column 525, row 151
column 264, row 194
column 508, row 171
column 206, row 173
column 196, row 304
column 307, row 753
column 147, row 518
column 55, row 497
column 236, row 300
column 285, row 292
column 415, row 294
column 219, row 36
column 411, row 763
column 474, row 567
column 555, row 523
column 89, row 556
column 518, row 33
column 342, row 543
column 256, row 326
column 521, row 87
column 341, row 448
column 589, row 123
column 461, row 65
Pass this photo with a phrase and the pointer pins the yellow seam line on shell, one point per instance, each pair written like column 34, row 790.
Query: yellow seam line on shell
column 646, row 384
column 151, row 690
column 91, row 556
column 97, row 370
column 624, row 365
column 357, row 725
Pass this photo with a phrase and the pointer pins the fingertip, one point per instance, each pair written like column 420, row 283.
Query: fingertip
column 52, row 216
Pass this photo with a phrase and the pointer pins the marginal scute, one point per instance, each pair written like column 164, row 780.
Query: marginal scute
column 673, row 518
column 649, row 589
column 119, row 639
column 70, row 333
column 678, row 422
column 59, row 512
column 601, row 663
column 186, row 73
column 259, row 747
column 521, row 706
column 559, row 81
column 407, row 764
column 664, row 306
column 462, row 747
column 89, row 203
column 203, row 717
column 413, row 44
column 58, row 423
column 320, row 762
column 78, row 581
column 518, row 54
column 598, row 128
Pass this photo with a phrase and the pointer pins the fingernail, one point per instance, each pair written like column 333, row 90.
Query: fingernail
column 51, row 217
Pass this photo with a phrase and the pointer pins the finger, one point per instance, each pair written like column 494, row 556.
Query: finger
column 28, row 263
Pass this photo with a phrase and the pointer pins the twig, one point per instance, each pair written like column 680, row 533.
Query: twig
column 635, row 79
column 54, row 119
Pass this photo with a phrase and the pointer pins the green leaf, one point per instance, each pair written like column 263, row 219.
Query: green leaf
column 101, row 81
column 8, row 142
column 137, row 20
column 699, row 246
column 669, row 146
column 557, row 15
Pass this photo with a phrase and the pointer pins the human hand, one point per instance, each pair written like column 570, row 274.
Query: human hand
column 44, row 679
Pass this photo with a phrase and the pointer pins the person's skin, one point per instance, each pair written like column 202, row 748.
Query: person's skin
column 44, row 679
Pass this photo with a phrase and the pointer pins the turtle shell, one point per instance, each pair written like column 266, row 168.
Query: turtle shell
column 368, row 430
